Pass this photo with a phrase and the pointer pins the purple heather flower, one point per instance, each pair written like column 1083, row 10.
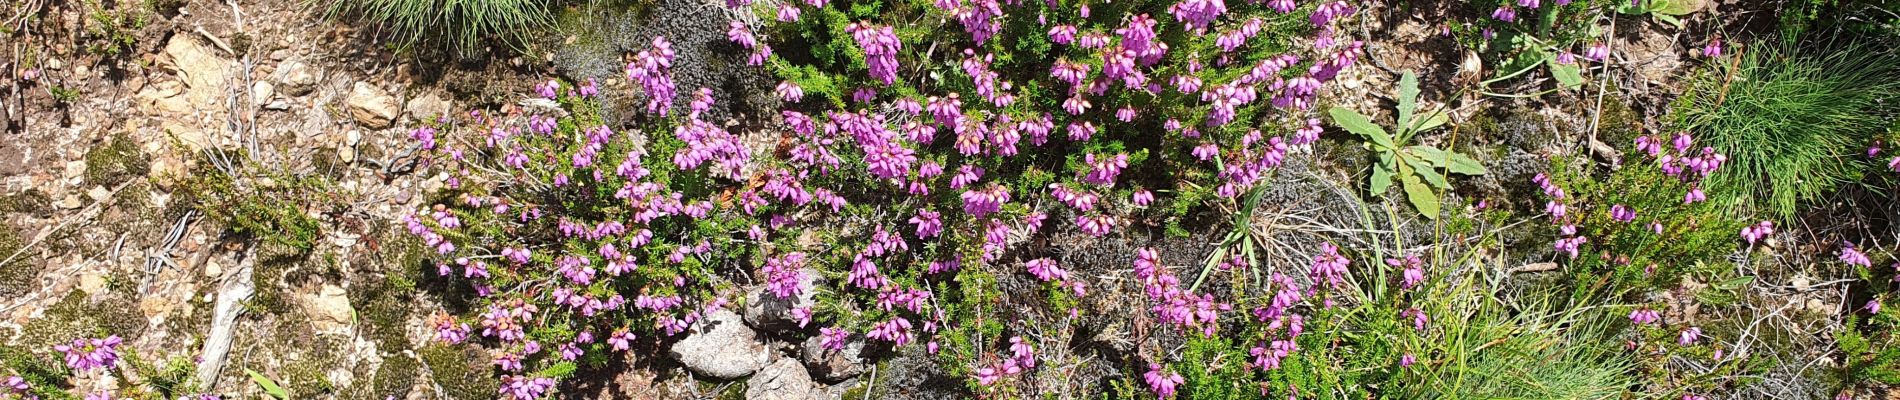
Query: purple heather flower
column 1758, row 231
column 880, row 45
column 1643, row 316
column 1161, row 381
column 86, row 355
column 1713, row 49
column 1143, row 197
column 1046, row 269
column 790, row 91
column 1689, row 336
column 1622, row 213
column 1597, row 52
column 1407, row 360
column 1851, row 256
column 1872, row 307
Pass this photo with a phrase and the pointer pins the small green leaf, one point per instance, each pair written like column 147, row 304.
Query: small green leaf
column 1463, row 164
column 1421, row 197
column 1429, row 154
column 1566, row 74
column 1356, row 123
column 1431, row 121
column 1424, row 169
column 1381, row 180
column 270, row 387
column 1676, row 7
column 1408, row 97
column 1668, row 19
column 1734, row 284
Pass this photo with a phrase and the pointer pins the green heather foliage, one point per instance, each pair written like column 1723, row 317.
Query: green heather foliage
column 1795, row 119
column 465, row 27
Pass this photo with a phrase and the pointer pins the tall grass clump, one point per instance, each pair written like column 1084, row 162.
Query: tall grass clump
column 1794, row 119
column 462, row 27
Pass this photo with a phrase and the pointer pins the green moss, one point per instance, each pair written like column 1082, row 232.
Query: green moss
column 74, row 317
column 17, row 276
column 268, row 278
column 394, row 379
column 460, row 371
column 118, row 160
column 30, row 201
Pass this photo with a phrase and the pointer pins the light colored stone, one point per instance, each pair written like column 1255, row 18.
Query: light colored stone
column 297, row 78
column 193, row 139
column 329, row 308
column 346, row 155
column 99, row 193
column 766, row 311
column 352, row 138
column 427, row 106
column 373, row 107
column 783, row 380
column 203, row 71
column 71, row 201
column 92, row 282
column 164, row 97
column 261, row 92
column 212, row 269
column 75, row 169
column 720, row 346
column 833, row 365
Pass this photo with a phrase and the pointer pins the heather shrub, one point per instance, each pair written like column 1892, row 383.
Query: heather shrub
column 903, row 181
column 1643, row 223
column 1796, row 118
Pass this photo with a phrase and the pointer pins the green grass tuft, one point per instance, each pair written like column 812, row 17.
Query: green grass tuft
column 461, row 26
column 1794, row 119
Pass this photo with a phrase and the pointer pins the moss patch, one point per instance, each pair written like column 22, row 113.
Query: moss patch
column 74, row 317
column 31, row 202
column 116, row 161
column 17, row 276
column 455, row 370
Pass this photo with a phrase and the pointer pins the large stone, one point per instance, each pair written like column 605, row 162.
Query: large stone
column 720, row 346
column 783, row 380
column 833, row 365
column 373, row 107
column 768, row 312
column 204, row 71
column 329, row 308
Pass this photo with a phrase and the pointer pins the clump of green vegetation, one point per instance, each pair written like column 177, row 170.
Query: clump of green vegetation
column 45, row 375
column 30, row 201
column 452, row 368
column 265, row 205
column 463, row 27
column 76, row 317
column 115, row 161
column 1415, row 166
column 1795, row 119
column 113, row 31
column 16, row 276
column 394, row 378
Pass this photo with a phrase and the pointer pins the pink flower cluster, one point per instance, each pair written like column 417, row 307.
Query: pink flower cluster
column 1172, row 303
column 85, row 355
column 653, row 70
column 880, row 47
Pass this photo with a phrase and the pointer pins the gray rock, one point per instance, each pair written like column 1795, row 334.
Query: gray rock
column 783, row 380
column 296, row 78
column 833, row 365
column 373, row 107
column 720, row 346
column 427, row 106
column 768, row 312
